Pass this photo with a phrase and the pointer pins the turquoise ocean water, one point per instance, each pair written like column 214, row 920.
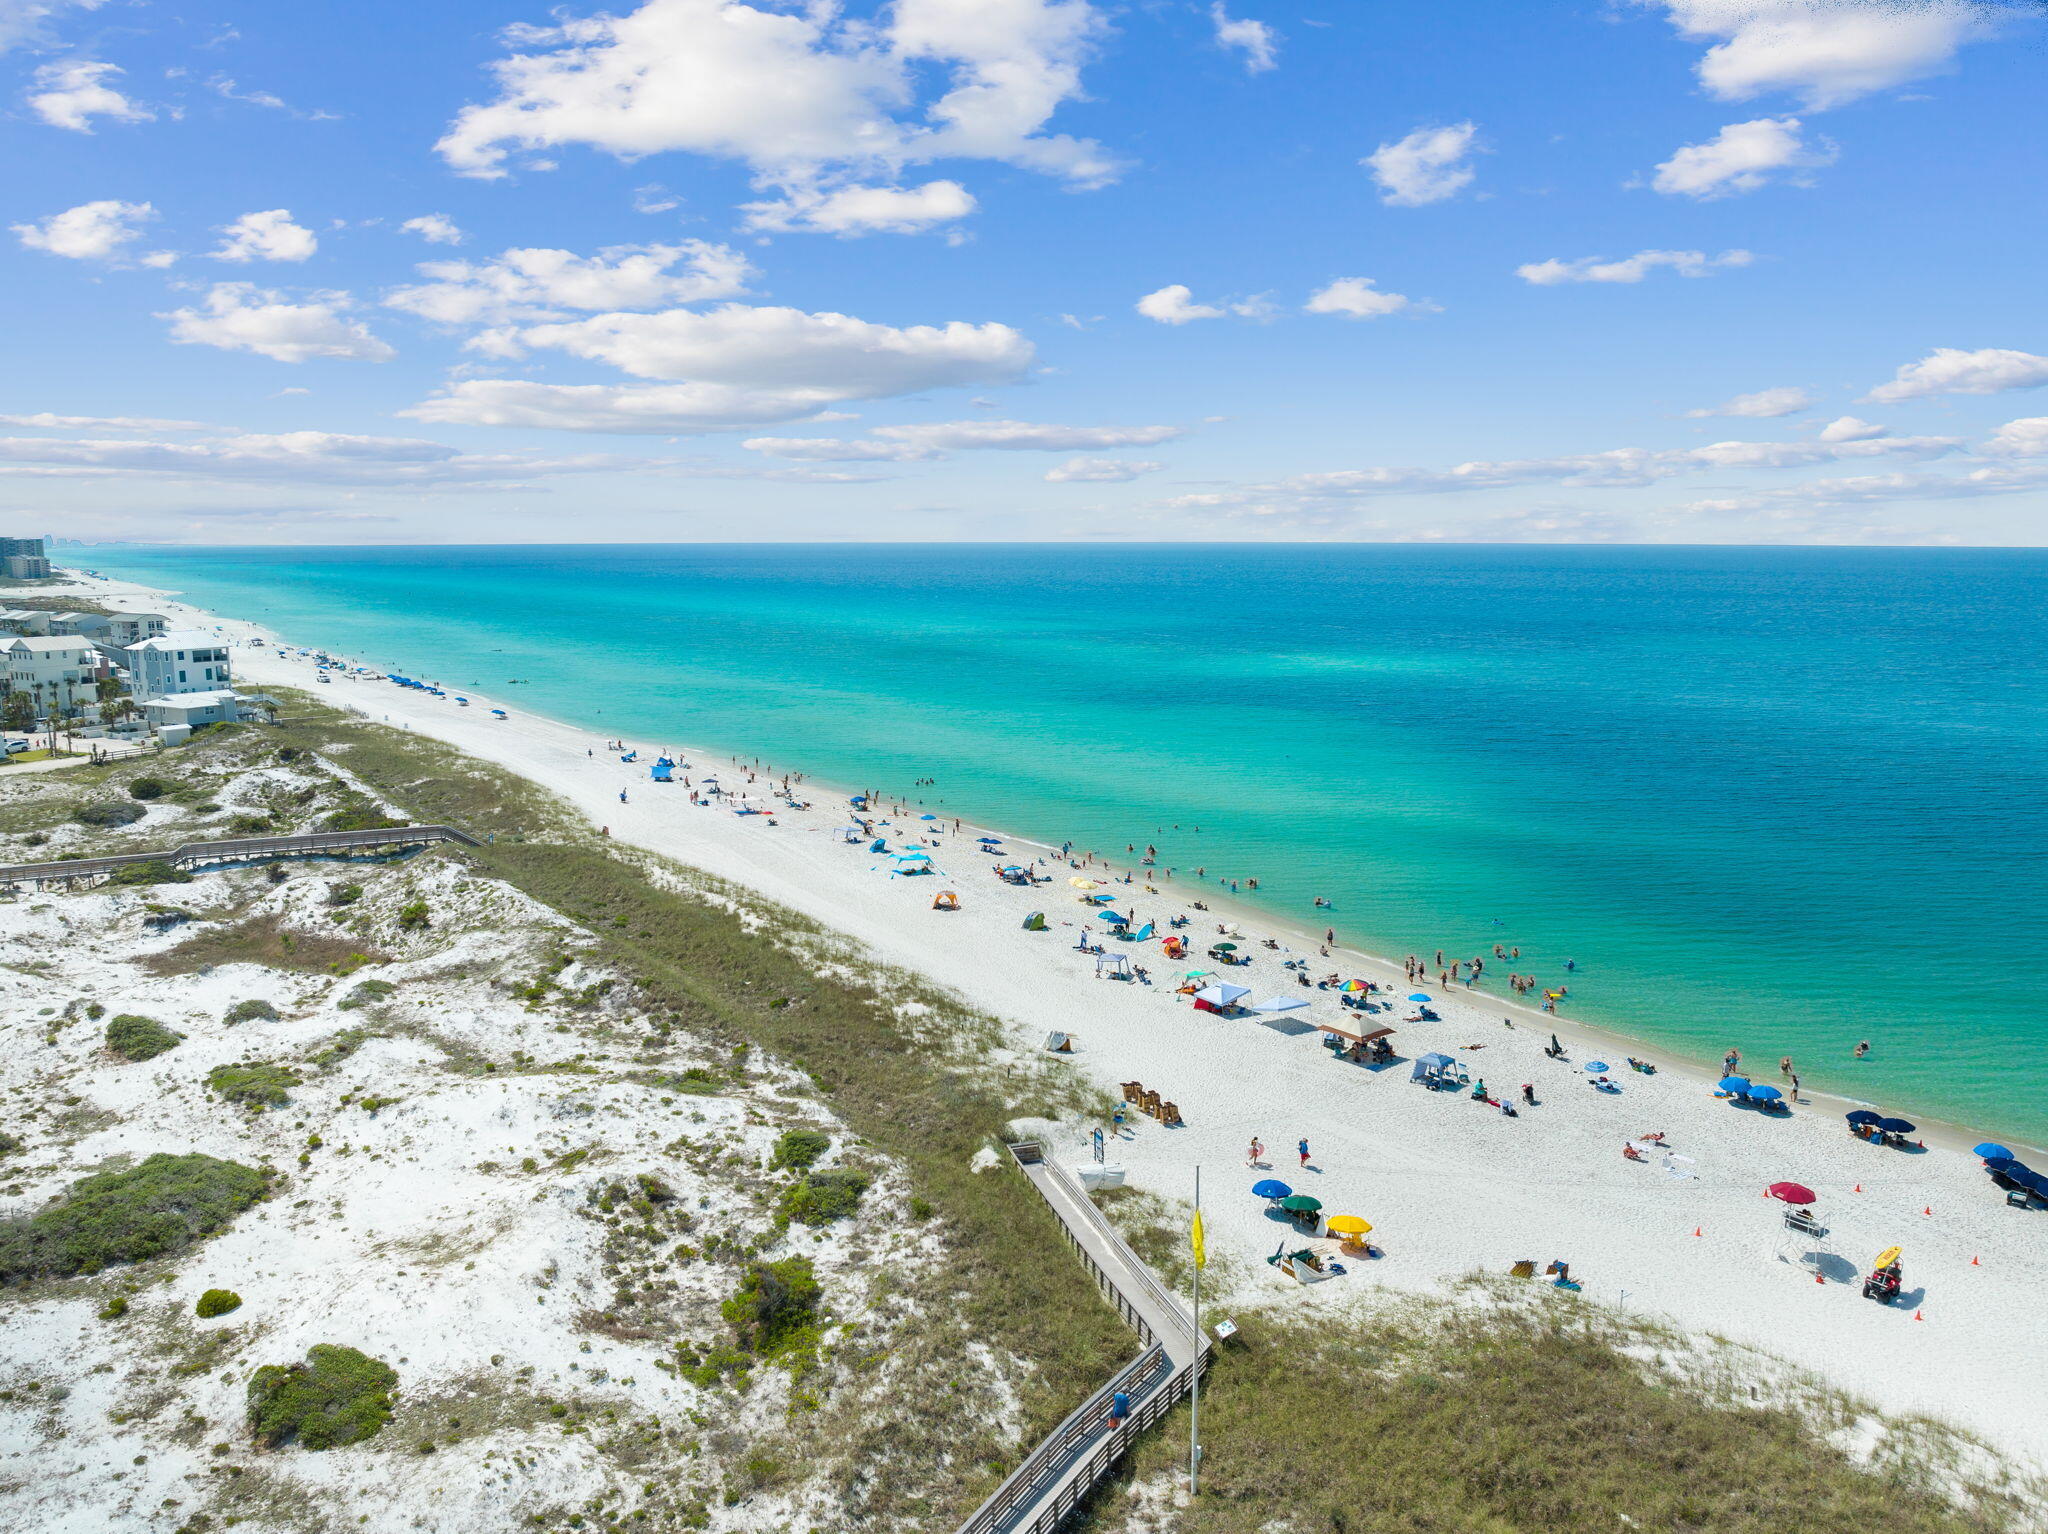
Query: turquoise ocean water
column 1783, row 799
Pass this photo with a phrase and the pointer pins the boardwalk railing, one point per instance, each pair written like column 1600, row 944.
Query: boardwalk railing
column 1076, row 1455
column 247, row 849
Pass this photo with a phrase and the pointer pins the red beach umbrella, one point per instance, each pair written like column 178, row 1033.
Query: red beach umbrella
column 1791, row 1192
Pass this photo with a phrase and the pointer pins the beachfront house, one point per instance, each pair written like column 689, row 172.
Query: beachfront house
column 181, row 660
column 25, row 620
column 174, row 718
column 50, row 676
column 91, row 626
column 124, row 629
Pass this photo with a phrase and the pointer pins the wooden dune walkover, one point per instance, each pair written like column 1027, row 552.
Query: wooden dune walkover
column 247, row 849
column 1077, row 1454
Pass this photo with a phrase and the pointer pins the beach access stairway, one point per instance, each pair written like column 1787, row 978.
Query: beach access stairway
column 1077, row 1454
column 246, row 849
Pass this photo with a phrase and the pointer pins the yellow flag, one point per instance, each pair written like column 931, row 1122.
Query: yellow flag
column 1195, row 1240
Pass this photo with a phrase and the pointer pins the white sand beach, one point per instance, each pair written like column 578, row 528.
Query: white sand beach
column 1450, row 1185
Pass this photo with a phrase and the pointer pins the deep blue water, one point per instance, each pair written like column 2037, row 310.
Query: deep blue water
column 1785, row 799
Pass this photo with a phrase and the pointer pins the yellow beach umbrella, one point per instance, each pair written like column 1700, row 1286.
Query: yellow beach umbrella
column 1084, row 884
column 1348, row 1224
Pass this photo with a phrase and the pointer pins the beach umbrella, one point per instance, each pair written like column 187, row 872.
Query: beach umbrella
column 1354, row 985
column 927, row 817
column 1280, row 1004
column 1084, row 884
column 1895, row 1126
column 1347, row 1225
column 1737, row 1086
column 1991, row 1149
column 1301, row 1203
column 1595, row 1067
column 1272, row 1187
column 1418, row 996
column 1224, row 947
column 1791, row 1193
column 2005, row 1164
column 1863, row 1116
column 1765, row 1094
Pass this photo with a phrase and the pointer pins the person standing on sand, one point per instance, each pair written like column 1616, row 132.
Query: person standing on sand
column 1329, row 936
column 1730, row 1062
column 1795, row 1087
column 1251, row 1157
column 1303, row 1148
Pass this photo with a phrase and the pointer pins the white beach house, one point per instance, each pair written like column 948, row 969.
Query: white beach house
column 124, row 629
column 182, row 660
column 176, row 717
column 59, row 674
column 93, row 626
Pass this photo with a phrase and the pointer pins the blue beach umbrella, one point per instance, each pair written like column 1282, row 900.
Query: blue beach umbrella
column 1990, row 1150
column 1272, row 1187
column 1418, row 996
column 1737, row 1085
column 1595, row 1067
column 927, row 817
column 1895, row 1126
column 1764, row 1094
column 1863, row 1116
column 2005, row 1164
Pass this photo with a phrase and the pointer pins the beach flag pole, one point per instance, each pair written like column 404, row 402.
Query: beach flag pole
column 1195, row 1389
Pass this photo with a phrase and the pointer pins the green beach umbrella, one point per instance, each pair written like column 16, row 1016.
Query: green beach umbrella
column 1301, row 1203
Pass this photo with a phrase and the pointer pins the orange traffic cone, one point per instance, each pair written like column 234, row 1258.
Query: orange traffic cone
column 1928, row 1210
column 1918, row 1317
column 1975, row 1263
column 1857, row 1189
column 1819, row 1278
column 1695, row 1230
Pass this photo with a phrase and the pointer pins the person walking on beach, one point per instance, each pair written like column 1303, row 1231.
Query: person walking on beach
column 1251, row 1156
column 622, row 796
column 1795, row 1087
column 1303, row 1148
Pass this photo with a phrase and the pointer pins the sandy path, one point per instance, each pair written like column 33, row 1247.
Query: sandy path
column 1450, row 1185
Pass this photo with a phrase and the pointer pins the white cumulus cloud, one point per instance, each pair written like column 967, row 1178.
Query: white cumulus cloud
column 1025, row 436
column 1427, row 166
column 2024, row 438
column 267, row 236
column 808, row 98
column 28, row 21
column 1356, row 298
column 1763, row 404
column 92, row 231
column 1950, row 370
column 1848, row 428
column 623, row 409
column 531, row 284
column 1687, row 263
column 434, row 228
column 1741, row 158
column 1261, row 44
column 239, row 316
column 1827, row 52
column 72, row 93
column 1101, row 471
column 1175, row 305
column 308, row 457
column 47, row 421
column 854, row 210
column 838, row 450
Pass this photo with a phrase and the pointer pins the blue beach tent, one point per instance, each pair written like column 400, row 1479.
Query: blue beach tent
column 662, row 768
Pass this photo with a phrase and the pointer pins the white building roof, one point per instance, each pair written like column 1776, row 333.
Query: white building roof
column 46, row 644
column 192, row 700
column 182, row 639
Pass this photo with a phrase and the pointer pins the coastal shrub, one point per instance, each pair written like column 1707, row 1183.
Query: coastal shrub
column 775, row 1304
column 413, row 915
column 250, row 825
column 139, row 1038
column 253, row 1083
column 148, row 788
column 344, row 894
column 110, row 812
column 255, row 1010
column 9, row 1144
column 265, row 940
column 799, row 1149
column 340, row 1047
column 155, row 871
column 822, row 1197
column 151, row 1210
column 216, row 1302
column 338, row 1396
column 365, row 992
column 95, row 1011
column 115, row 1308
column 359, row 815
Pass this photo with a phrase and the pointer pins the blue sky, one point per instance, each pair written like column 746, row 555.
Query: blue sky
column 1643, row 271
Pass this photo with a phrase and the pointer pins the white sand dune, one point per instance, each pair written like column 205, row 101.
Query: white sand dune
column 1450, row 1185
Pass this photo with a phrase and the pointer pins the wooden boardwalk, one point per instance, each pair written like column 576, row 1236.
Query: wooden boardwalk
column 1068, row 1463
column 247, row 849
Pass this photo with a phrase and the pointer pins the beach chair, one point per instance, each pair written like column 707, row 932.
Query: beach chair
column 1169, row 1115
column 1133, row 1091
